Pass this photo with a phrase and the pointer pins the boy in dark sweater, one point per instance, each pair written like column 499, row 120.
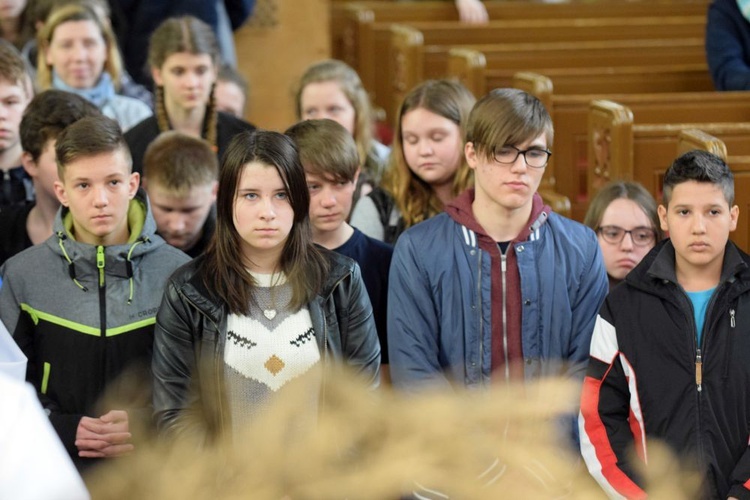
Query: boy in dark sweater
column 331, row 162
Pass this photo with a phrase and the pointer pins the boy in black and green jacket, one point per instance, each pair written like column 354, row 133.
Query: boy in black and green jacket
column 82, row 304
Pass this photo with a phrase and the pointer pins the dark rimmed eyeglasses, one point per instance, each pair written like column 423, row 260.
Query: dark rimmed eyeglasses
column 534, row 157
column 641, row 236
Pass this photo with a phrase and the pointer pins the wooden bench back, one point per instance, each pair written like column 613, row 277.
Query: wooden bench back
column 568, row 169
column 620, row 148
column 501, row 61
column 350, row 19
column 378, row 55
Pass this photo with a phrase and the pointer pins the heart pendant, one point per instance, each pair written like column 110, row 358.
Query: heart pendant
column 269, row 313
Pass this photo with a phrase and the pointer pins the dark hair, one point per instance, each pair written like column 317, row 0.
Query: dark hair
column 326, row 148
column 183, row 34
column 700, row 166
column 25, row 29
column 225, row 271
column 628, row 190
column 178, row 162
column 89, row 136
column 228, row 74
column 507, row 117
column 40, row 9
column 47, row 115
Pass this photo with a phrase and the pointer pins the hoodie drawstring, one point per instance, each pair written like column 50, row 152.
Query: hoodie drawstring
column 71, row 267
column 131, row 282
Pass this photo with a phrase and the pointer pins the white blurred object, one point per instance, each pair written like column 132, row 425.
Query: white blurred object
column 33, row 463
column 12, row 360
column 472, row 11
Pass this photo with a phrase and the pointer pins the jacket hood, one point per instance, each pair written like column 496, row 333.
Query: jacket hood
column 460, row 210
column 118, row 259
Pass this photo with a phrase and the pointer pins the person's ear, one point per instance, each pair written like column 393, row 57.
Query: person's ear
column 156, row 75
column 214, row 190
column 471, row 155
column 62, row 196
column 47, row 57
column 29, row 165
column 356, row 176
column 734, row 214
column 133, row 183
column 662, row 211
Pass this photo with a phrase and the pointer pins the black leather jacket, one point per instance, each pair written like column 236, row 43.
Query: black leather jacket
column 191, row 330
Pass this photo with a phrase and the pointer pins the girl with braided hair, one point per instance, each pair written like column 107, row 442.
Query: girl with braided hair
column 184, row 59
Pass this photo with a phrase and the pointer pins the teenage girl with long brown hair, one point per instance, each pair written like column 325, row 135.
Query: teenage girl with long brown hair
column 263, row 307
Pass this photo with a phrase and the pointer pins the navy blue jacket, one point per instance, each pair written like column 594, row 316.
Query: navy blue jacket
column 137, row 19
column 728, row 46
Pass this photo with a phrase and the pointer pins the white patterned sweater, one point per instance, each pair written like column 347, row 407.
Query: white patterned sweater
column 268, row 349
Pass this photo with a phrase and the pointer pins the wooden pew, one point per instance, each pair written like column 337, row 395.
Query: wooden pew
column 486, row 67
column 379, row 64
column 567, row 172
column 352, row 20
column 692, row 138
column 677, row 65
column 620, row 149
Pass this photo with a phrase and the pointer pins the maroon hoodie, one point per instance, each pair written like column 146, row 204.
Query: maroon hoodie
column 461, row 211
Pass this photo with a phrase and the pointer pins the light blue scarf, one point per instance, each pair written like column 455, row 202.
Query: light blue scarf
column 744, row 6
column 98, row 95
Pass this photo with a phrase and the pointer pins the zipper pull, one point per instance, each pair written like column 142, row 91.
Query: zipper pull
column 100, row 264
column 699, row 371
column 731, row 317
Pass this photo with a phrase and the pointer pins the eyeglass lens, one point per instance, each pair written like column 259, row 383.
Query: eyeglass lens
column 640, row 235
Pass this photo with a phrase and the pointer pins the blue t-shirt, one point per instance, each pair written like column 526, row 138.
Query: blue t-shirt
column 374, row 259
column 700, row 304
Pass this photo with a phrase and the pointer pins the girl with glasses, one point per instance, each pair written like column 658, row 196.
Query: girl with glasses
column 624, row 216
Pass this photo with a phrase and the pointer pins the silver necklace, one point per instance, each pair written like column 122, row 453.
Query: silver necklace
column 271, row 282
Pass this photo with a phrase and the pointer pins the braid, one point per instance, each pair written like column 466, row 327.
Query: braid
column 161, row 110
column 211, row 119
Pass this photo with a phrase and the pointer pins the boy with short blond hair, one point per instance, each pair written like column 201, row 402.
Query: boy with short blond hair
column 180, row 175
column 669, row 354
column 329, row 155
column 82, row 305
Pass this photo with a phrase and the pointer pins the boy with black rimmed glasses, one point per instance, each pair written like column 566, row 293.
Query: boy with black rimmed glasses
column 498, row 286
